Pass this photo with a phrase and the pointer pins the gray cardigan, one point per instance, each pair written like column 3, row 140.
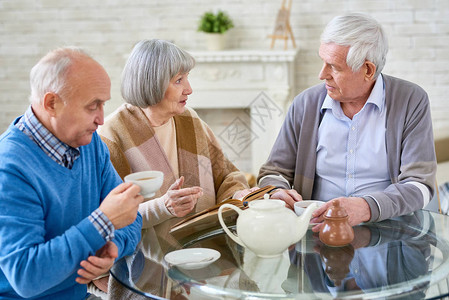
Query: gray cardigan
column 409, row 142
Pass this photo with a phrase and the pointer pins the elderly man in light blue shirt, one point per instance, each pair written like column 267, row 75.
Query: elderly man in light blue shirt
column 358, row 137
column 361, row 137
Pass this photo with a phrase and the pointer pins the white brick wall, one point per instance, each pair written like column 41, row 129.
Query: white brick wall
column 418, row 31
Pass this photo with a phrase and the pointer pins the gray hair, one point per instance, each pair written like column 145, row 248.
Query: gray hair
column 50, row 73
column 364, row 36
column 149, row 69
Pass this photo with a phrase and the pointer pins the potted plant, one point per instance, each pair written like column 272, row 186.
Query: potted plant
column 215, row 26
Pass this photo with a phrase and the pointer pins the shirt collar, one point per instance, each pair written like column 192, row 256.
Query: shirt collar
column 60, row 152
column 377, row 97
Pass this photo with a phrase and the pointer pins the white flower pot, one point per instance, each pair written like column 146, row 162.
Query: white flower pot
column 215, row 41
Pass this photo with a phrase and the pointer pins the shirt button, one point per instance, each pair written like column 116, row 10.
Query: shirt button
column 353, row 128
column 350, row 175
column 351, row 151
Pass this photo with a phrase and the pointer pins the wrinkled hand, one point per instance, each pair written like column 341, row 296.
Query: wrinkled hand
column 98, row 264
column 357, row 209
column 242, row 193
column 180, row 201
column 288, row 196
column 121, row 205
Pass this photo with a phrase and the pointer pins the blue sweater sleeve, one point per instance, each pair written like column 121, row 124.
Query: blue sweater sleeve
column 128, row 237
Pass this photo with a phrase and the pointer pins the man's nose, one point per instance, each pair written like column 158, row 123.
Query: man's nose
column 99, row 118
column 324, row 73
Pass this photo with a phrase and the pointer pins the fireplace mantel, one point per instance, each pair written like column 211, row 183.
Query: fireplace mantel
column 260, row 82
column 231, row 79
column 244, row 56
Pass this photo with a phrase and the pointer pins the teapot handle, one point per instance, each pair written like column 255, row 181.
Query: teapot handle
column 225, row 228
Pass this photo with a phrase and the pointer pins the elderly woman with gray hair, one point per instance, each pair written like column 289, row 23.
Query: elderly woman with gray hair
column 154, row 130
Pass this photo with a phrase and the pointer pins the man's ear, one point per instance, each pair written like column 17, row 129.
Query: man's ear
column 370, row 70
column 50, row 102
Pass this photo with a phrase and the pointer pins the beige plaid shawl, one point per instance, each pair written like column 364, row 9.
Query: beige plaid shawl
column 135, row 147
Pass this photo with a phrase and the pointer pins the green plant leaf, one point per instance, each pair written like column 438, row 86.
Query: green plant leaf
column 215, row 23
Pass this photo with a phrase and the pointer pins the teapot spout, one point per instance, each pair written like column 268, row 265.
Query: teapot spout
column 302, row 222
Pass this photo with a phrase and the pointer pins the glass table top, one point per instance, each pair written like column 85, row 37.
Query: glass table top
column 401, row 258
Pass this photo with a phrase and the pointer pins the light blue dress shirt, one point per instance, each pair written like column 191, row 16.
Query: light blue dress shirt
column 351, row 154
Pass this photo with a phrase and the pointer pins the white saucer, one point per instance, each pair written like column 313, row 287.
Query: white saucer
column 192, row 258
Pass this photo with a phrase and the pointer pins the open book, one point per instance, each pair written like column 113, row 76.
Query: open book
column 208, row 218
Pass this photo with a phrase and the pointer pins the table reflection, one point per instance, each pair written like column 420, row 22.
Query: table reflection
column 385, row 254
column 393, row 257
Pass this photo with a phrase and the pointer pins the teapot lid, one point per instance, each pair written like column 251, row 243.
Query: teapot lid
column 336, row 211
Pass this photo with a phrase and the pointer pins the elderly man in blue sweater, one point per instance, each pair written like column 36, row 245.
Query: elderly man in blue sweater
column 65, row 214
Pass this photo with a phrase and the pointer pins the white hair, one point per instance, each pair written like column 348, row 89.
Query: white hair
column 50, row 73
column 364, row 36
column 149, row 69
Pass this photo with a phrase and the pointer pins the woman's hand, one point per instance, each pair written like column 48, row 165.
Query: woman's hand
column 181, row 201
column 242, row 193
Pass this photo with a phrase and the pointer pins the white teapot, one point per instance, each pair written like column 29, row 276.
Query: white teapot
column 267, row 227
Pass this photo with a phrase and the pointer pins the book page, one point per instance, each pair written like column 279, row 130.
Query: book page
column 210, row 216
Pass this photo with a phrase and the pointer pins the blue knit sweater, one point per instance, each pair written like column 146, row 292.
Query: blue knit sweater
column 44, row 229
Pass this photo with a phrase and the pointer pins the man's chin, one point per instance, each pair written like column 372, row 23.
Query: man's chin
column 333, row 95
column 84, row 141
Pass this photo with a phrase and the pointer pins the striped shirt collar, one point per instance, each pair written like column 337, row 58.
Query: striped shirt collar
column 58, row 151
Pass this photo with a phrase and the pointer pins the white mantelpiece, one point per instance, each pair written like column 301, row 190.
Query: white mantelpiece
column 260, row 82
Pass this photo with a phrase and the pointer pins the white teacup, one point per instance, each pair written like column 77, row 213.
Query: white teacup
column 301, row 206
column 149, row 182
